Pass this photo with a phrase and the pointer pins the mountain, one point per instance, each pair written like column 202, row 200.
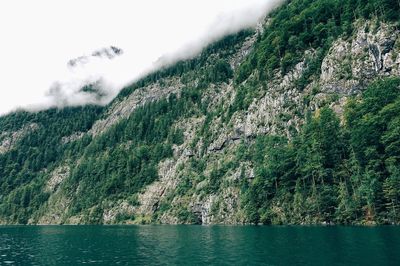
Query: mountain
column 105, row 53
column 295, row 122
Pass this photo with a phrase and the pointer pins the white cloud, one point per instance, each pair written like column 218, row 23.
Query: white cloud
column 39, row 37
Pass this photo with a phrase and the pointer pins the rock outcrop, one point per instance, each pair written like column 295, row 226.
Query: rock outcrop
column 9, row 139
column 184, row 191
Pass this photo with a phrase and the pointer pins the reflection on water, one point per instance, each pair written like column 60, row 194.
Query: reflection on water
column 199, row 245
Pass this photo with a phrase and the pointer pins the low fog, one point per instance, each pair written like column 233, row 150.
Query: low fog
column 53, row 49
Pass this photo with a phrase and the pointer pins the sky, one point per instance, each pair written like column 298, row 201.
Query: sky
column 38, row 38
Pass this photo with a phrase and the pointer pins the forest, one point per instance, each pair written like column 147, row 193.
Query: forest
column 334, row 169
column 331, row 172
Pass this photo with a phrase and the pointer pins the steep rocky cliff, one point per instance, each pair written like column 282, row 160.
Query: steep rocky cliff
column 200, row 175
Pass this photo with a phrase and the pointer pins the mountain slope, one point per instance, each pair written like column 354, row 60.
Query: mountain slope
column 294, row 123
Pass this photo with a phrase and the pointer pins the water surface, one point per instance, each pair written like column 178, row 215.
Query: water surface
column 198, row 245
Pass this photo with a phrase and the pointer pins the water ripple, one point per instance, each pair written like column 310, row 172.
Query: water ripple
column 198, row 245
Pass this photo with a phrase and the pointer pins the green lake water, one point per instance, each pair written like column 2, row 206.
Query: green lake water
column 198, row 245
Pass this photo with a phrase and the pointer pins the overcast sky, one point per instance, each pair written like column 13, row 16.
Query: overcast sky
column 39, row 37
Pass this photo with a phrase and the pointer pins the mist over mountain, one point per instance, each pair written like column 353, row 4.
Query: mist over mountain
column 108, row 52
column 53, row 37
column 294, row 121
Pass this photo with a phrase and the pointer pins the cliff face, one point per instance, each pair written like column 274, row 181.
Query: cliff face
column 10, row 138
column 199, row 179
column 280, row 110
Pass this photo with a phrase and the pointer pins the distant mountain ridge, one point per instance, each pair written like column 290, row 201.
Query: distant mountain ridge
column 108, row 52
column 296, row 122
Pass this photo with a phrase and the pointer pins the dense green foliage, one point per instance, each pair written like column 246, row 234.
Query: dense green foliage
column 302, row 25
column 21, row 169
column 115, row 165
column 335, row 171
column 120, row 162
column 224, row 47
column 332, row 173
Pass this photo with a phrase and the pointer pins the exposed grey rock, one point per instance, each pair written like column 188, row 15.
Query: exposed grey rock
column 75, row 136
column 264, row 115
column 366, row 56
column 122, row 109
column 278, row 107
column 57, row 177
column 150, row 199
column 9, row 139
column 203, row 209
column 110, row 214
column 243, row 51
